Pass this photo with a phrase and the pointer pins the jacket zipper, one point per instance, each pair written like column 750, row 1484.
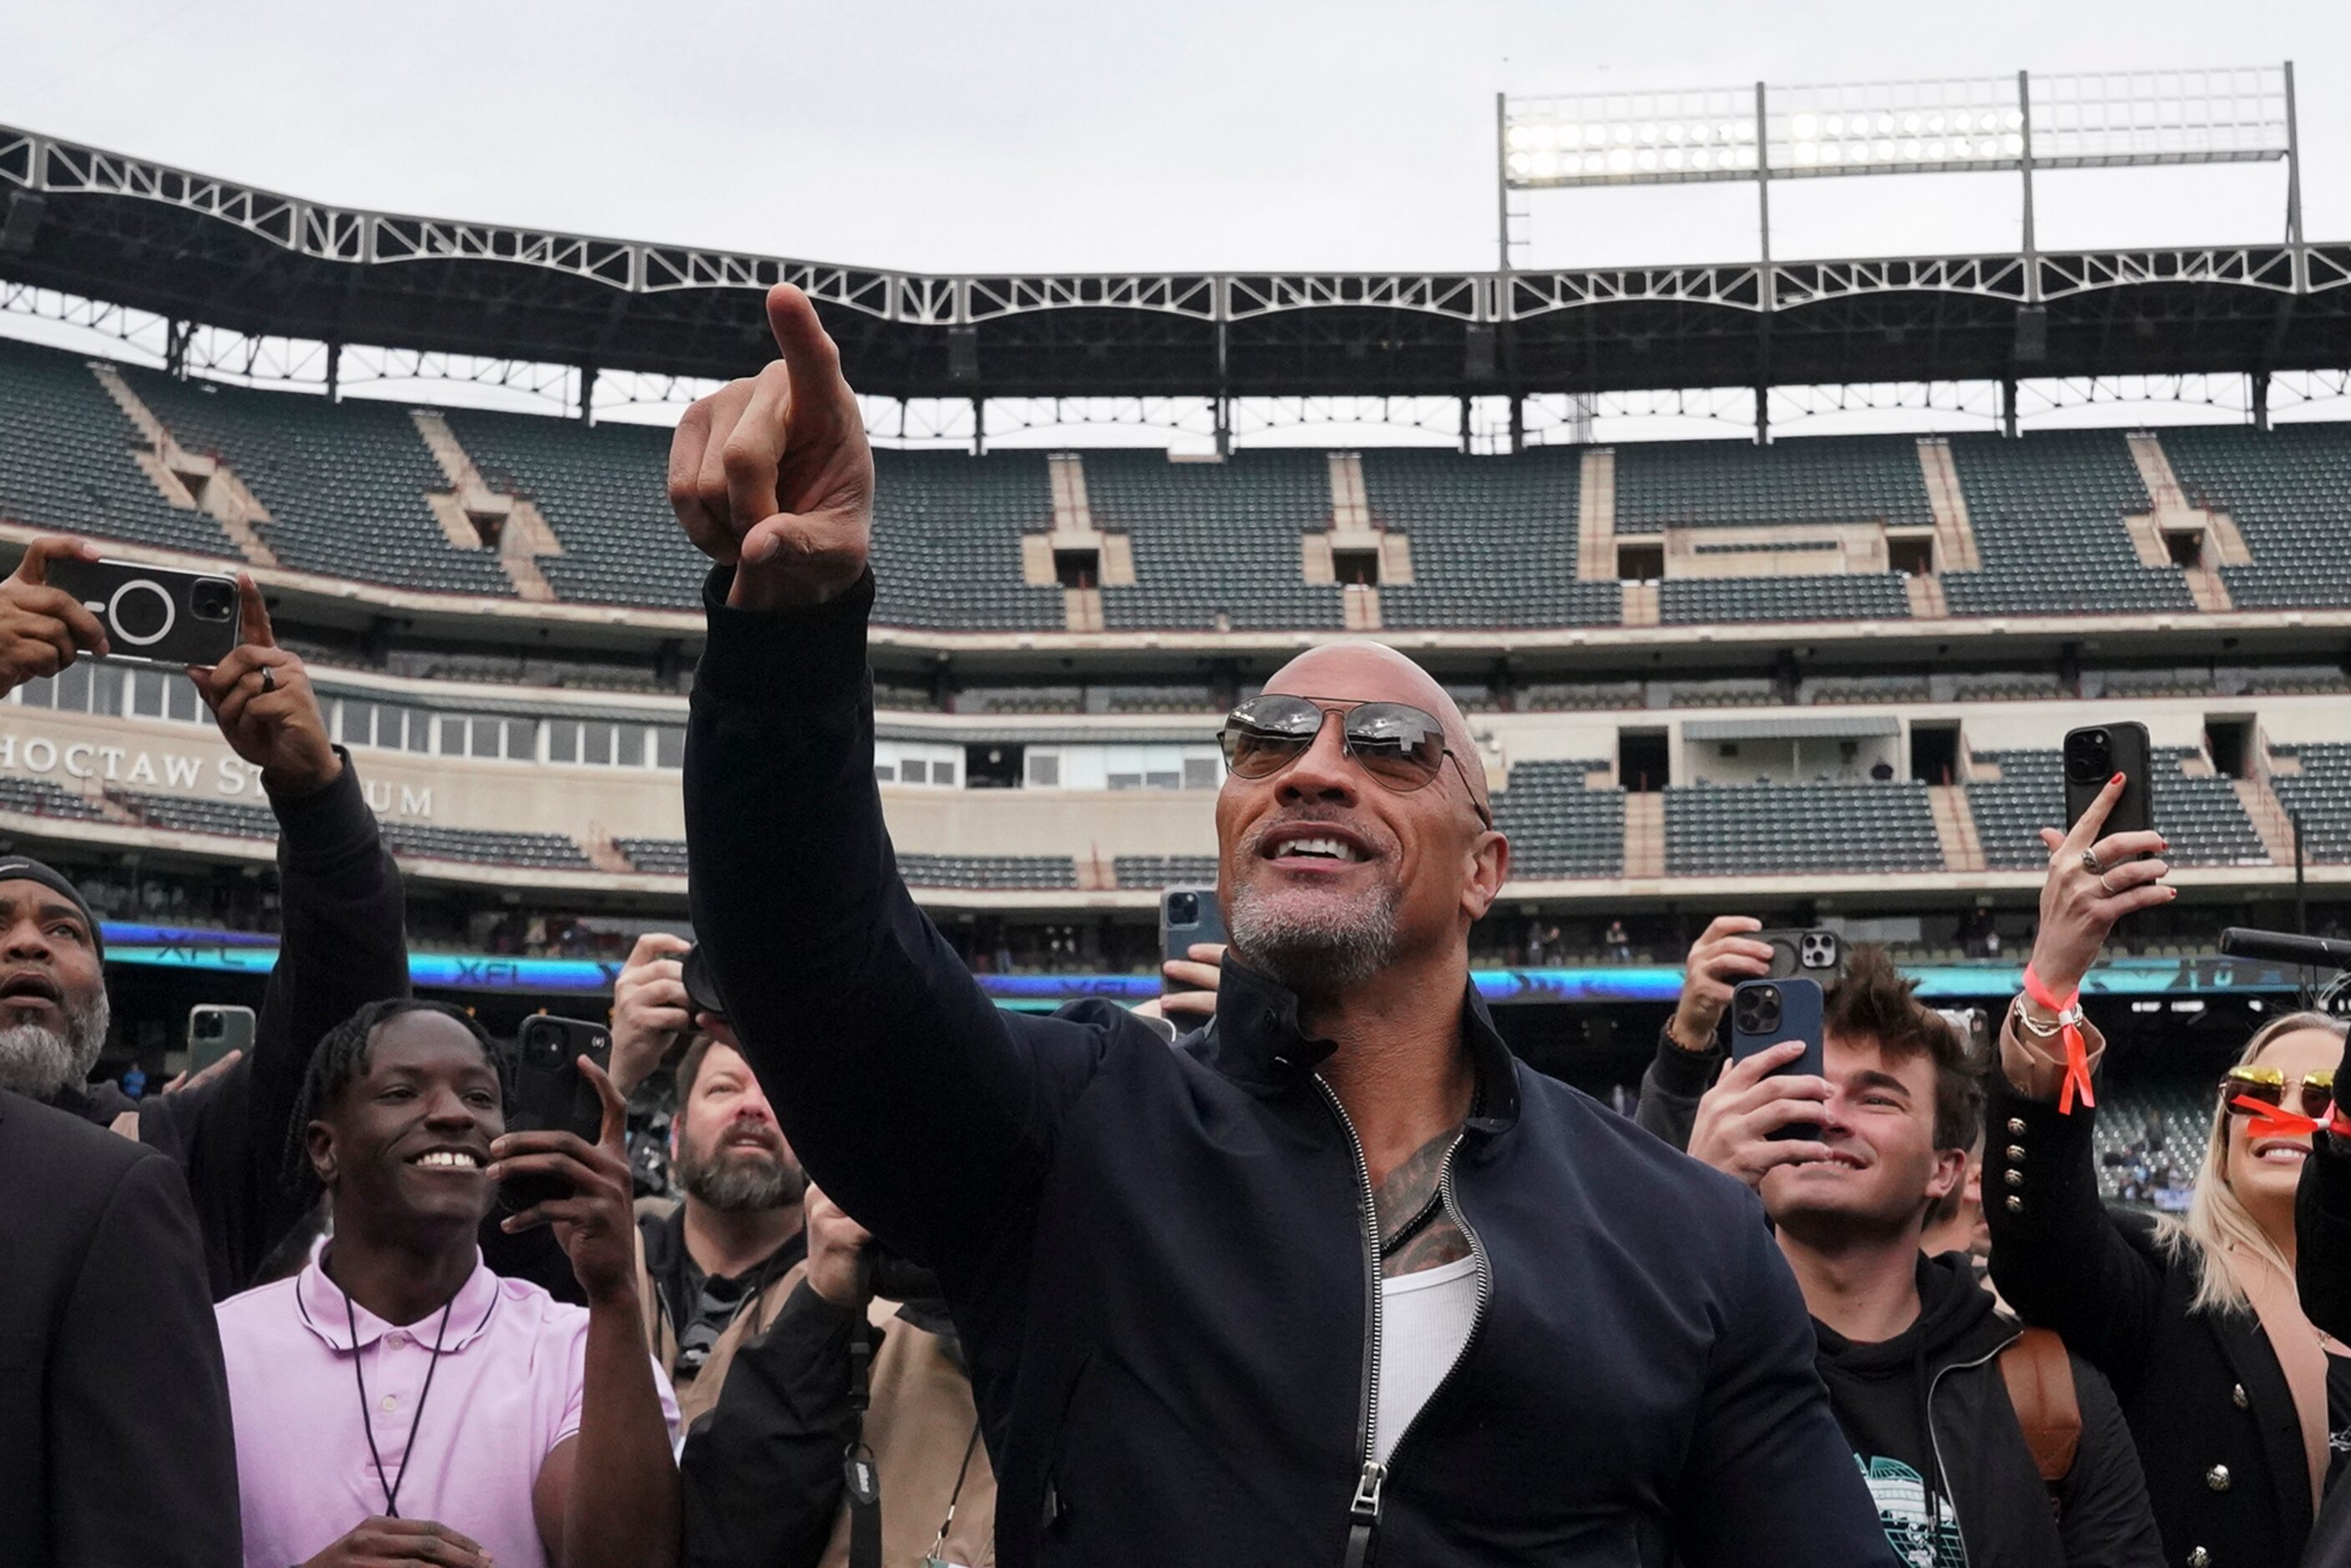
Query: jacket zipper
column 1364, row 1509
column 1934, row 1442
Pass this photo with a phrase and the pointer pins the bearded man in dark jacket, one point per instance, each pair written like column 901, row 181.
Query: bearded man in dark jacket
column 1337, row 1277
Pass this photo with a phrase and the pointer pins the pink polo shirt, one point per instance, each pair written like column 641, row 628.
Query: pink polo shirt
column 507, row 1390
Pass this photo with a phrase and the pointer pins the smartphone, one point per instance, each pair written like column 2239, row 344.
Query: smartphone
column 154, row 614
column 214, row 1030
column 1765, row 1012
column 1813, row 951
column 551, row 1094
column 1188, row 915
column 2095, row 754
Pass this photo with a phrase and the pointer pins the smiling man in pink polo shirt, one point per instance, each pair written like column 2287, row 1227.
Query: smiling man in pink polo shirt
column 396, row 1402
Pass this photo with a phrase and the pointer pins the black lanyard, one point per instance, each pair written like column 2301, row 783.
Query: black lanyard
column 367, row 1422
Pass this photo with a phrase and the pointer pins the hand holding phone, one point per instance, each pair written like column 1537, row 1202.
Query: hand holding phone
column 552, row 1095
column 1765, row 1013
column 588, row 1186
column 152, row 615
column 1762, row 1114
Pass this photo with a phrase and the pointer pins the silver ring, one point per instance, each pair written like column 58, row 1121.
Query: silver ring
column 2107, row 885
column 268, row 679
column 2090, row 863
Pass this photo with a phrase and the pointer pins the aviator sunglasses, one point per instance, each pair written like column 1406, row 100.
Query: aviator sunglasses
column 1401, row 746
column 2268, row 1085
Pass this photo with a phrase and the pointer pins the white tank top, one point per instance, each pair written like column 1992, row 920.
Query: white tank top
column 1425, row 1321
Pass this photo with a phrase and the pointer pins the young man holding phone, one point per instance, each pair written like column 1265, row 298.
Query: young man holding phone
column 344, row 940
column 1916, row 1352
column 396, row 1401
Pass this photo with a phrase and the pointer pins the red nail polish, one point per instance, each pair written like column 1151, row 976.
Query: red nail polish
column 2115, row 779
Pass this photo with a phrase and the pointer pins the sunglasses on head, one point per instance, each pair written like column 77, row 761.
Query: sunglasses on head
column 2268, row 1085
column 1401, row 746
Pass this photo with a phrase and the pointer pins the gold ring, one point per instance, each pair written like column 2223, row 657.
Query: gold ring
column 2105, row 884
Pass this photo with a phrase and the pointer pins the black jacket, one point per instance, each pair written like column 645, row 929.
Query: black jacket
column 2321, row 1223
column 1160, row 1261
column 345, row 943
column 1987, row 1469
column 1943, row 1381
column 2207, row 1402
column 113, row 1402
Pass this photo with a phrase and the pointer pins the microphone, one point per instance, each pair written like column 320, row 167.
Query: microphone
column 2284, row 948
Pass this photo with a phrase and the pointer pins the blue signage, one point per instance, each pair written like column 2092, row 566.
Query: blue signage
column 251, row 953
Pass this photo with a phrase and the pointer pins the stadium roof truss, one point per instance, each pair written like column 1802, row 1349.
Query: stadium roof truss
column 193, row 249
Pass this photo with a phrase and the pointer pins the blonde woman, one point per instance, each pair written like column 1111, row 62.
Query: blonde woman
column 2196, row 1323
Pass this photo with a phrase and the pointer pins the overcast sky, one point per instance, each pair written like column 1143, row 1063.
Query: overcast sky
column 1035, row 136
column 1028, row 135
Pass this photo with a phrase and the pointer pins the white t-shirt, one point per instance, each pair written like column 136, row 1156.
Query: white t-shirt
column 1425, row 1322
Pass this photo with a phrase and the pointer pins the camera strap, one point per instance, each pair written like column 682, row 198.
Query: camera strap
column 861, row 1481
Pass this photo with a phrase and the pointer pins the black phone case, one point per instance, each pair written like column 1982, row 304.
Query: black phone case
column 1801, row 1008
column 1814, row 952
column 150, row 612
column 2131, row 754
column 553, row 1096
column 1176, row 941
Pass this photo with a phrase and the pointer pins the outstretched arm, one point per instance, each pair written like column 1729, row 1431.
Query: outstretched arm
column 344, row 941
column 2057, row 1255
column 606, row 1496
column 869, row 1035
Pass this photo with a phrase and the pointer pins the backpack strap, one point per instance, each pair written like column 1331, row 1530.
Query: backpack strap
column 2039, row 1377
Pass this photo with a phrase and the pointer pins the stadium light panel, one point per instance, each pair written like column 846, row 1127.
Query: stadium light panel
column 1957, row 124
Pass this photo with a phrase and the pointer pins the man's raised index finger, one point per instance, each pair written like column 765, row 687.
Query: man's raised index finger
column 810, row 353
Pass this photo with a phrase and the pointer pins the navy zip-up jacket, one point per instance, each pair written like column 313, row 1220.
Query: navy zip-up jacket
column 1160, row 1258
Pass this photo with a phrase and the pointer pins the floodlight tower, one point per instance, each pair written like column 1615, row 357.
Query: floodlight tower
column 1951, row 125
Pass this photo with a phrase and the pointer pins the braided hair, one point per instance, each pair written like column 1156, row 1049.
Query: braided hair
column 342, row 1056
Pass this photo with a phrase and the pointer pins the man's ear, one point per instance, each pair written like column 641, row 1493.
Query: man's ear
column 1951, row 1170
column 1489, row 868
column 319, row 1141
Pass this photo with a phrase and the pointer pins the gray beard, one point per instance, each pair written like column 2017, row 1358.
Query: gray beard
column 740, row 1186
column 1318, row 951
column 40, row 1063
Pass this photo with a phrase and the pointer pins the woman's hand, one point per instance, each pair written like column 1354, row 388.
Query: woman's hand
column 2084, row 897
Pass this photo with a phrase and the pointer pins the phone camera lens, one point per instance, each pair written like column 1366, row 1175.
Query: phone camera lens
column 542, row 1046
column 1183, row 909
column 210, row 599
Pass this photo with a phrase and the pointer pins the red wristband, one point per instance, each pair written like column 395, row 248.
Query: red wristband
column 2077, row 1051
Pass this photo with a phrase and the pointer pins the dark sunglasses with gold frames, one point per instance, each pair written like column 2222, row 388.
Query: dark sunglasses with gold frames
column 1402, row 748
column 2269, row 1087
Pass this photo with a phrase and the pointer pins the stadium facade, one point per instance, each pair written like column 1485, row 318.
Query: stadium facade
column 1817, row 679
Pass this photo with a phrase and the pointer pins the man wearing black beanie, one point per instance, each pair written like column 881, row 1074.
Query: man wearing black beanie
column 342, row 915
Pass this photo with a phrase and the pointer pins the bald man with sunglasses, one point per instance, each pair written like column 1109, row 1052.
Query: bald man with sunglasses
column 1335, row 1280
